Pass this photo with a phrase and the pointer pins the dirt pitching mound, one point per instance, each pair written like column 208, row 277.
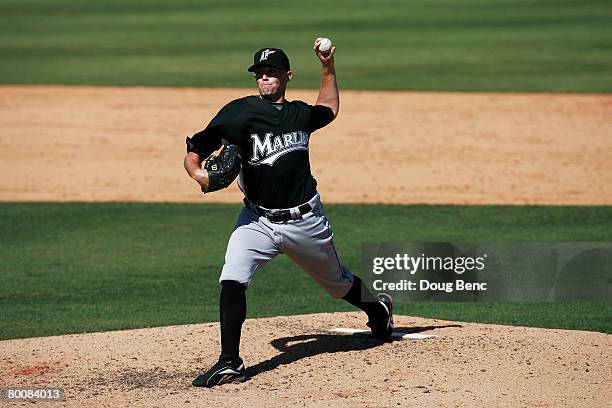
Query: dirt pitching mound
column 118, row 144
column 297, row 361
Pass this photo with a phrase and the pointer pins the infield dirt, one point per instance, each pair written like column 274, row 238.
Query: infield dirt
column 295, row 361
column 118, row 144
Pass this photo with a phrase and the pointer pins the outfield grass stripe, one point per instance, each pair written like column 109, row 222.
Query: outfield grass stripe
column 477, row 45
column 77, row 267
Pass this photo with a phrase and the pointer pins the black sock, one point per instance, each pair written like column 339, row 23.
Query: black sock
column 360, row 296
column 232, row 309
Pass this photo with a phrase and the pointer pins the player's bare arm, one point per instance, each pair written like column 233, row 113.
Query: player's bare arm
column 328, row 92
column 193, row 166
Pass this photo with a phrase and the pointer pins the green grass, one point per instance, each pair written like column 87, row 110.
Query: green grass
column 69, row 268
column 484, row 45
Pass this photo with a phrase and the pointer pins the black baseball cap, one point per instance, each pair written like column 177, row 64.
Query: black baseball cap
column 273, row 57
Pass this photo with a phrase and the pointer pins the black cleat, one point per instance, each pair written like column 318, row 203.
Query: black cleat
column 223, row 372
column 382, row 326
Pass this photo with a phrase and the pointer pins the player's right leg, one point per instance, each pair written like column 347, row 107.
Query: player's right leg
column 251, row 246
column 310, row 244
column 379, row 309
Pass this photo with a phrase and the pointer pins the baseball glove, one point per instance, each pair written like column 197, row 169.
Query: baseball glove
column 222, row 169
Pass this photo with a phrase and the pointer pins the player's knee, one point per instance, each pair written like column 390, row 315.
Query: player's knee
column 338, row 290
column 335, row 294
column 237, row 271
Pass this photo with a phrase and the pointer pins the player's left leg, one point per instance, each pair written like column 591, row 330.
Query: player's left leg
column 251, row 246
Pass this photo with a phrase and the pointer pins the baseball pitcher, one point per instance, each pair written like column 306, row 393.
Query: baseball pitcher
column 265, row 141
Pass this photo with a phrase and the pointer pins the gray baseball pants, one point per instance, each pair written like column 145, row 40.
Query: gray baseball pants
column 307, row 241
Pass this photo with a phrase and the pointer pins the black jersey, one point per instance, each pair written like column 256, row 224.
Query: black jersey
column 273, row 146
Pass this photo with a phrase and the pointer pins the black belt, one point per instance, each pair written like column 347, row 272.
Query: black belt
column 279, row 215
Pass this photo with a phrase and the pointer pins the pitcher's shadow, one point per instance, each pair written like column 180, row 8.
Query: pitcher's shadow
column 295, row 348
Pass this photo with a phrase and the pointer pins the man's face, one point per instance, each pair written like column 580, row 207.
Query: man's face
column 271, row 82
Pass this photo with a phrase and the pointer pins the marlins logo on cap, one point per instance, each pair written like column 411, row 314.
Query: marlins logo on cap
column 273, row 57
column 265, row 53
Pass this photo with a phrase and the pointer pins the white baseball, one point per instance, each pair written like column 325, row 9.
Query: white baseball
column 325, row 45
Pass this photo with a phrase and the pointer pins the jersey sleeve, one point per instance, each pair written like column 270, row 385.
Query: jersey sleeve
column 319, row 117
column 220, row 127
